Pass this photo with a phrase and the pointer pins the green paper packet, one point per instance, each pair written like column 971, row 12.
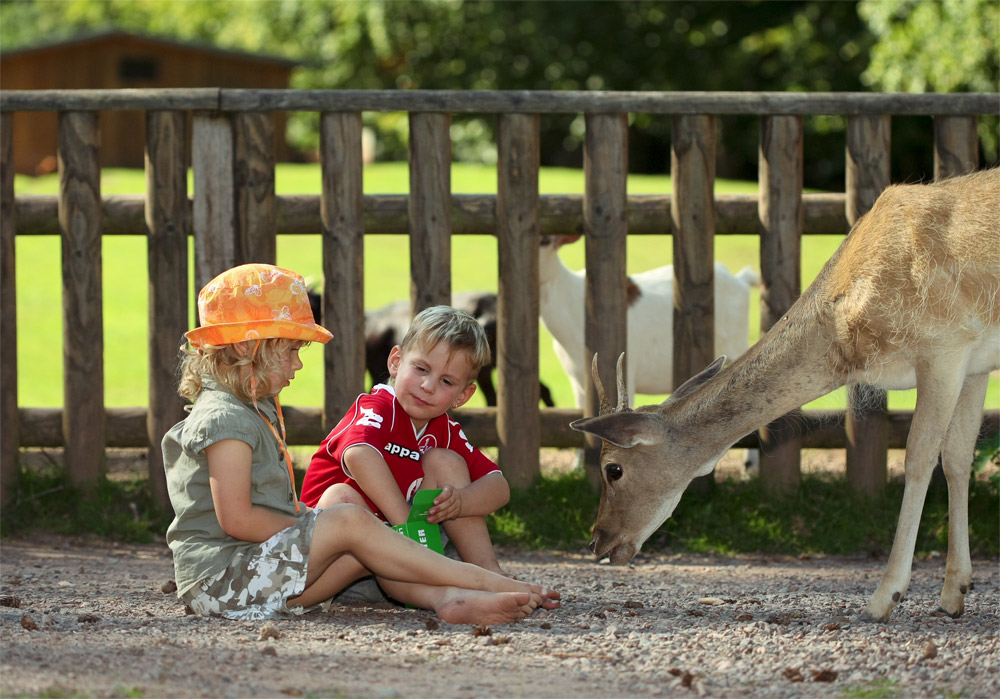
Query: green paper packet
column 416, row 525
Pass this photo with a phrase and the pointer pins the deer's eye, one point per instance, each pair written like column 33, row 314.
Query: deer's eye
column 613, row 471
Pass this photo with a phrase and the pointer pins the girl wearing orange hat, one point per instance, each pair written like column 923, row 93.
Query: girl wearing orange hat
column 244, row 547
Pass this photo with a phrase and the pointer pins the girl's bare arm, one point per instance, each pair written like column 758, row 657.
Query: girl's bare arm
column 229, row 465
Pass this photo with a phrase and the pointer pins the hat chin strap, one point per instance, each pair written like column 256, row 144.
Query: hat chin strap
column 281, row 423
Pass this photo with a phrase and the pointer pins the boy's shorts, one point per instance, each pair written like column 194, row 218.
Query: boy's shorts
column 260, row 580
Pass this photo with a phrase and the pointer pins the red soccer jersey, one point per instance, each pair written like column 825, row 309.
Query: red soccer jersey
column 379, row 421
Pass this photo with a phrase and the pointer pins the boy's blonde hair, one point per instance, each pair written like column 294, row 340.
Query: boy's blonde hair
column 225, row 365
column 457, row 329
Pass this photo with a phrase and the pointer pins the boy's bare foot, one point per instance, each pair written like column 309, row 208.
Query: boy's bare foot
column 550, row 598
column 477, row 607
column 547, row 599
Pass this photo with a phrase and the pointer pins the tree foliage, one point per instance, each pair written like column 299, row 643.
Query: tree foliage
column 942, row 46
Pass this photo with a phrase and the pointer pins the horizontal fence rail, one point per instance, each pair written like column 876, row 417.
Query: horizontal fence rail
column 126, row 427
column 500, row 102
column 234, row 216
column 471, row 214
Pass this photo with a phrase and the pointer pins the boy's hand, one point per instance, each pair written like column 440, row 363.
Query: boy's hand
column 447, row 505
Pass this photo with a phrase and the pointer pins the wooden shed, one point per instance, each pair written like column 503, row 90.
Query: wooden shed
column 116, row 59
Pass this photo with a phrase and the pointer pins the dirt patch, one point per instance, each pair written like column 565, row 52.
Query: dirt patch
column 85, row 618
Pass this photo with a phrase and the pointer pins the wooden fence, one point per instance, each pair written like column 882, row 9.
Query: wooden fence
column 234, row 215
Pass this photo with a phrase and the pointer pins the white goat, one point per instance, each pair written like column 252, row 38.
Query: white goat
column 650, row 339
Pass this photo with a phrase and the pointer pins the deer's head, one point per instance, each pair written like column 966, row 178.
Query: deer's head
column 647, row 461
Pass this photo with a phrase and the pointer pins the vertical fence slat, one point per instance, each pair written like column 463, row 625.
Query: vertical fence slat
column 956, row 146
column 866, row 421
column 167, row 249
column 10, row 428
column 342, row 213
column 518, row 426
column 692, row 170
column 781, row 218
column 214, row 218
column 430, row 210
column 83, row 319
column 253, row 175
column 605, row 225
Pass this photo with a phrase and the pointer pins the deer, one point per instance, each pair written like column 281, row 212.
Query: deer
column 650, row 296
column 911, row 298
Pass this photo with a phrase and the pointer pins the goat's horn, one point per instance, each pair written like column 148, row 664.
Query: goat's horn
column 622, row 391
column 605, row 406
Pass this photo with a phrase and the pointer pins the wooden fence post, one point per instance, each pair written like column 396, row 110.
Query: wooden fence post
column 253, row 185
column 342, row 213
column 430, row 210
column 10, row 422
column 167, row 250
column 692, row 171
column 866, row 421
column 83, row 315
column 605, row 224
column 781, row 217
column 956, row 146
column 518, row 426
column 214, row 225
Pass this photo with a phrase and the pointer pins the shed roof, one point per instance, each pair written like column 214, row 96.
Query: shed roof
column 98, row 36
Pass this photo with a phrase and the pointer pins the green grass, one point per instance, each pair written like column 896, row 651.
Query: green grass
column 825, row 517
column 474, row 266
column 878, row 689
column 557, row 513
column 45, row 500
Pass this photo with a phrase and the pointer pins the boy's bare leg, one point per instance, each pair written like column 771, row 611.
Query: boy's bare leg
column 346, row 532
column 472, row 540
column 451, row 604
column 470, row 535
column 338, row 575
column 458, row 606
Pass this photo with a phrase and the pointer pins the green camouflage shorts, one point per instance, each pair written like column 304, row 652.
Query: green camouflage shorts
column 260, row 580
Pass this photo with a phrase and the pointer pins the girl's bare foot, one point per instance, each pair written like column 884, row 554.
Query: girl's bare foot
column 460, row 606
column 495, row 568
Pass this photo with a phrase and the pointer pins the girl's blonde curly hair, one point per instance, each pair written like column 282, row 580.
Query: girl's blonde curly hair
column 236, row 367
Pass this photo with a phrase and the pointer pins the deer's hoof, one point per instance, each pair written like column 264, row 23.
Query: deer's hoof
column 941, row 611
column 871, row 614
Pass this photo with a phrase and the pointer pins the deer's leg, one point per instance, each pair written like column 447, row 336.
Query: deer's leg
column 956, row 457
column 939, row 382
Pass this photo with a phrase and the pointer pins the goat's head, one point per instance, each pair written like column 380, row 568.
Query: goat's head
column 646, row 463
column 554, row 242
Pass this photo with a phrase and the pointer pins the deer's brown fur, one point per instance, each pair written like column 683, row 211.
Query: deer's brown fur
column 910, row 299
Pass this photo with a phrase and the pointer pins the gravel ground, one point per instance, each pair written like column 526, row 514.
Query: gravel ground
column 86, row 618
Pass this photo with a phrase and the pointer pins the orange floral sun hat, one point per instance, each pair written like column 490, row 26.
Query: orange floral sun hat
column 255, row 301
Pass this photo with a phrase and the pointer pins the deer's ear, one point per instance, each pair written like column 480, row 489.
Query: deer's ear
column 626, row 430
column 697, row 380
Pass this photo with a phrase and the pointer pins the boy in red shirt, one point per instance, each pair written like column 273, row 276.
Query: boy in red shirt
column 399, row 439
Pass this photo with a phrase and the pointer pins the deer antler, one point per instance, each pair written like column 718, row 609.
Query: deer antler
column 622, row 391
column 605, row 406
